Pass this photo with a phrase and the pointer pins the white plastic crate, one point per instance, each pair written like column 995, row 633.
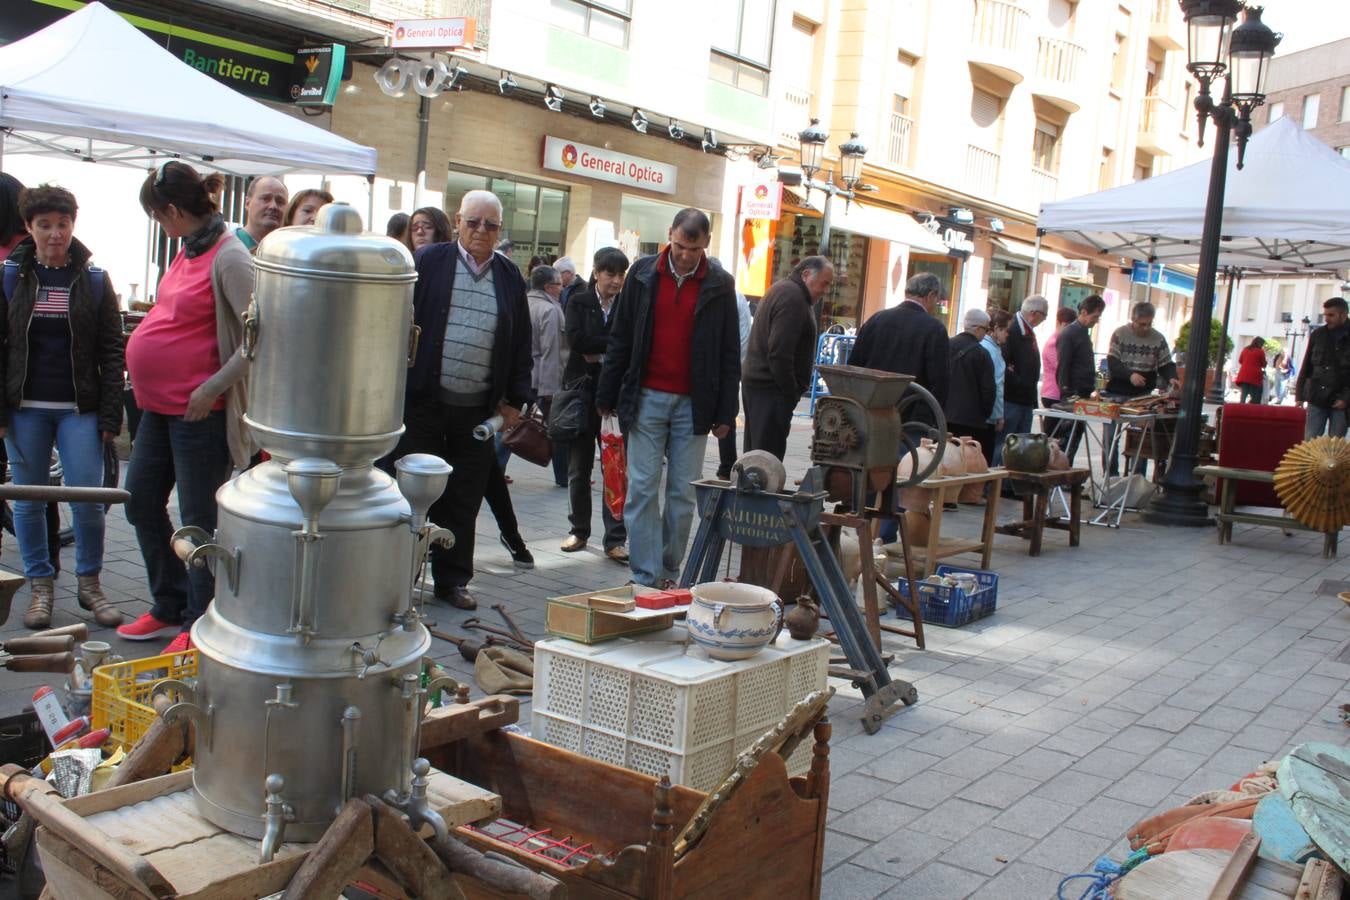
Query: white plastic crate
column 647, row 705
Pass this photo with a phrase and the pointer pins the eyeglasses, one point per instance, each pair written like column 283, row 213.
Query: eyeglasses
column 485, row 224
column 555, row 284
column 422, row 226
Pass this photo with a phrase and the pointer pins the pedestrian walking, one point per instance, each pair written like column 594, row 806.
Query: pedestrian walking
column 1251, row 373
column 546, row 334
column 907, row 339
column 188, row 375
column 1000, row 320
column 588, row 318
column 60, row 385
column 780, row 353
column 672, row 373
column 1074, row 370
column 1022, row 356
column 1324, row 378
column 473, row 362
column 972, row 389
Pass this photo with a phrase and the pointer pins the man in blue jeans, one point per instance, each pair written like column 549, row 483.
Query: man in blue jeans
column 672, row 371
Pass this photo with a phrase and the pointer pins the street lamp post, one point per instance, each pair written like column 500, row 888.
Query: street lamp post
column 1241, row 58
column 1216, row 393
column 1292, row 334
column 851, row 154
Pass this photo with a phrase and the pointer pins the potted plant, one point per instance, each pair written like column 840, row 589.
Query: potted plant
column 1183, row 342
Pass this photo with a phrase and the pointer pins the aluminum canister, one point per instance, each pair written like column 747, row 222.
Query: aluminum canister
column 329, row 334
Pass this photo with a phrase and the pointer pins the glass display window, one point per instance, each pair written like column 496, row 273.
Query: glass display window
column 644, row 225
column 1007, row 284
column 534, row 215
column 947, row 270
column 798, row 238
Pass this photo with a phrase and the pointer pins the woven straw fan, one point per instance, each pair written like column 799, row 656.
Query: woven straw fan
column 1313, row 483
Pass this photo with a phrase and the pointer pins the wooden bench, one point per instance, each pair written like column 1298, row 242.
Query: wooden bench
column 1229, row 477
column 945, row 488
column 1035, row 489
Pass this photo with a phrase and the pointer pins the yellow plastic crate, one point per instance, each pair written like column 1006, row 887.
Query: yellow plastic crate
column 121, row 701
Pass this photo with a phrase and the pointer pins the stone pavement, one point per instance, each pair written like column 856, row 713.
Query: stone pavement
column 1114, row 680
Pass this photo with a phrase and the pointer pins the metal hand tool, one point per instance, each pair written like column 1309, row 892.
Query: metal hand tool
column 511, row 624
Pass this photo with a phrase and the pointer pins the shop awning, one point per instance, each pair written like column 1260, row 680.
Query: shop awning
column 876, row 222
column 1028, row 251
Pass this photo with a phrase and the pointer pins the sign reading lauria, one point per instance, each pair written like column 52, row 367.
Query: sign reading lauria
column 561, row 155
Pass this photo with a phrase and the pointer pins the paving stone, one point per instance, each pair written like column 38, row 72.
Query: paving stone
column 987, row 850
column 1108, row 817
column 1068, row 851
column 1108, row 762
column 1020, row 880
column 899, row 854
column 1013, row 740
column 1033, row 816
column 1198, row 739
column 1168, row 718
column 998, row 789
column 1073, row 788
column 876, row 816
column 1039, row 764
column 945, row 741
column 1140, row 787
column 1174, row 762
column 954, row 819
column 920, row 719
column 1259, row 737
column 972, row 762
column 839, row 847
column 899, row 765
column 1225, row 718
column 937, row 881
column 849, row 880
column 850, row 791
column 1076, row 741
column 927, row 789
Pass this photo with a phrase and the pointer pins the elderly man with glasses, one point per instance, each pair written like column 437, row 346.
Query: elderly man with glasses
column 474, row 360
column 1023, row 358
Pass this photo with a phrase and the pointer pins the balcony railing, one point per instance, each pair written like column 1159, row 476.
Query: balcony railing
column 900, row 143
column 1162, row 10
column 998, row 24
column 981, row 171
column 1059, row 60
column 1157, row 114
column 1044, row 186
column 793, row 114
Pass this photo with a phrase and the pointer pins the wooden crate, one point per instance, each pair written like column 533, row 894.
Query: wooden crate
column 573, row 618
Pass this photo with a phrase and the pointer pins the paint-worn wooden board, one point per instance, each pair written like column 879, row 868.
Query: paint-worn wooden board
column 158, row 820
column 1191, row 874
column 1315, row 779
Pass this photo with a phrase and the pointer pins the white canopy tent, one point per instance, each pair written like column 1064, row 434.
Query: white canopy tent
column 1285, row 209
column 91, row 87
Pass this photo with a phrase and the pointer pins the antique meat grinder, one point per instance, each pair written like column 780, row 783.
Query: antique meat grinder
column 308, row 690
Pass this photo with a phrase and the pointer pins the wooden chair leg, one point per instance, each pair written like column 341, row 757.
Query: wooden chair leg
column 1038, row 522
column 1075, row 513
column 913, row 606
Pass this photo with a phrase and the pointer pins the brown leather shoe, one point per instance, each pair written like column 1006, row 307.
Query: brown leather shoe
column 91, row 597
column 573, row 544
column 43, row 594
column 458, row 597
column 618, row 554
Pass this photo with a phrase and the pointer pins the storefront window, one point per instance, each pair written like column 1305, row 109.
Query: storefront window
column 798, row 238
column 644, row 225
column 1007, row 284
column 534, row 217
column 944, row 267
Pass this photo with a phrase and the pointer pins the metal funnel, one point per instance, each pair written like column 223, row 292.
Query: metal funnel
column 421, row 480
column 313, row 483
column 872, row 388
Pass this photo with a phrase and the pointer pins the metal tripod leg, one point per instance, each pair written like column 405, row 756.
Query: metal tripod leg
column 865, row 659
column 706, row 552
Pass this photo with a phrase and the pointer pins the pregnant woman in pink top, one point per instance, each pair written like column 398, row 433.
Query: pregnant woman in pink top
column 188, row 379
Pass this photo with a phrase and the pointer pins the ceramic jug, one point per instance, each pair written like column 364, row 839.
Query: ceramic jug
column 1026, row 452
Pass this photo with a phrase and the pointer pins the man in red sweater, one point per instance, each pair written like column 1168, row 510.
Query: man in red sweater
column 672, row 372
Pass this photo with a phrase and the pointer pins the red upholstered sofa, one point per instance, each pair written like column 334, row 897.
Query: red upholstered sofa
column 1256, row 436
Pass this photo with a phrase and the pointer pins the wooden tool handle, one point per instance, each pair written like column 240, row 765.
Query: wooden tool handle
column 50, row 662
column 59, row 493
column 26, row 645
column 79, row 632
column 511, row 878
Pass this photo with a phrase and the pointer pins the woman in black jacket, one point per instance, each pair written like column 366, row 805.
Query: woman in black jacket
column 62, row 385
column 587, row 323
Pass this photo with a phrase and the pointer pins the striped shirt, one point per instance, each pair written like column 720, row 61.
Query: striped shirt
column 470, row 331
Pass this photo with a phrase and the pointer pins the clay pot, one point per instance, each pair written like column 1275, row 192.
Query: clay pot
column 953, row 463
column 1026, row 452
column 972, row 457
column 803, row 619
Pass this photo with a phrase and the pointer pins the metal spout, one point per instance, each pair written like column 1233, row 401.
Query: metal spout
column 414, row 804
column 351, row 721
column 313, row 482
column 278, row 812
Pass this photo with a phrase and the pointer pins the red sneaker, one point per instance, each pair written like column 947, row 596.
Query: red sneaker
column 180, row 644
column 147, row 628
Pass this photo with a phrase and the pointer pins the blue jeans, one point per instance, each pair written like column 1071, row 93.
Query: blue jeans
column 195, row 457
column 1320, row 419
column 32, row 432
column 1016, row 420
column 663, row 432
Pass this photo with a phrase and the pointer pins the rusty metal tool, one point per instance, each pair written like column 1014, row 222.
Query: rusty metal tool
column 511, row 624
column 509, row 638
column 468, row 647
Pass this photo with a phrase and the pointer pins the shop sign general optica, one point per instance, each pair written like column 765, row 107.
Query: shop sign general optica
column 562, row 155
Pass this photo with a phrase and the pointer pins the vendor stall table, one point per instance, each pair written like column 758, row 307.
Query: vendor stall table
column 926, row 557
column 1229, row 479
column 1110, row 493
column 1036, row 489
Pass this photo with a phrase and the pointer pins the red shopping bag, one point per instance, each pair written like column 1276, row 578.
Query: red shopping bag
column 613, row 465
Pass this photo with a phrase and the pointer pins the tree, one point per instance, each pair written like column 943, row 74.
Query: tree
column 1215, row 330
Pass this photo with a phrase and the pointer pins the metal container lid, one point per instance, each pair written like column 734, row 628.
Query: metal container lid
column 335, row 247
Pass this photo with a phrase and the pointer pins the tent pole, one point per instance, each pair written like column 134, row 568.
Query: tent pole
column 1036, row 264
column 370, row 202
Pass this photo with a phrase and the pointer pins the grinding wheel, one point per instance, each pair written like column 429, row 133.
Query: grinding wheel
column 761, row 468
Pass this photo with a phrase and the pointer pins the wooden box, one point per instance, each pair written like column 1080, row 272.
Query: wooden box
column 1096, row 408
column 572, row 616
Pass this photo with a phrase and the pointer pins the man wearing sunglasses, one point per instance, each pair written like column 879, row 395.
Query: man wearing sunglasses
column 473, row 360
column 672, row 371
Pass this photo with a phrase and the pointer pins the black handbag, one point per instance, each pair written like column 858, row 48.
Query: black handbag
column 528, row 438
column 570, row 415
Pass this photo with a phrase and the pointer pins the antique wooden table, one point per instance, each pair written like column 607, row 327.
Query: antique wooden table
column 1036, row 489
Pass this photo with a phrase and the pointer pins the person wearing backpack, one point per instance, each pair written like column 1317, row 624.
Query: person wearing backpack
column 62, row 385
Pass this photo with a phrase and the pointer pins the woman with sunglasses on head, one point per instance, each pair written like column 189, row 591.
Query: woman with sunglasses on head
column 188, row 377
column 62, row 387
